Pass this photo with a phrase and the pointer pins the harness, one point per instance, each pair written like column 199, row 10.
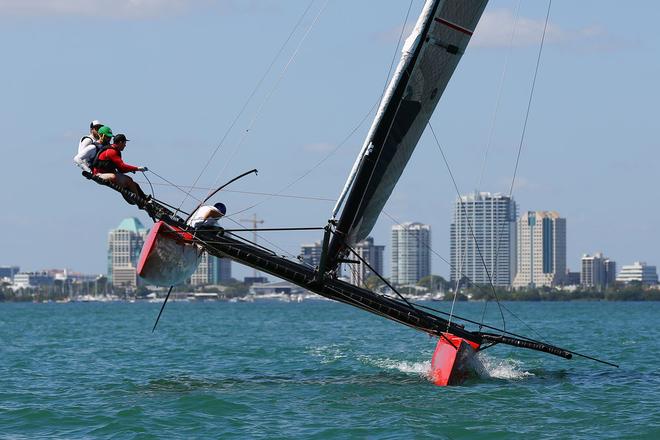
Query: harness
column 103, row 165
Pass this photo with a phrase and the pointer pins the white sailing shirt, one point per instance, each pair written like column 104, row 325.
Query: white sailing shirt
column 85, row 157
column 205, row 216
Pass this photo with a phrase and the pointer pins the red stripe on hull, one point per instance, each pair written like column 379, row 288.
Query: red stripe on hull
column 452, row 360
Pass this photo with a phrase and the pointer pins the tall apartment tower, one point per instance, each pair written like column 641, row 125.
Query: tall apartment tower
column 124, row 246
column 372, row 254
column 482, row 239
column 541, row 249
column 597, row 271
column 310, row 254
column 411, row 256
column 211, row 270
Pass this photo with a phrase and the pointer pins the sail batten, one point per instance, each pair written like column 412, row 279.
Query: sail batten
column 429, row 57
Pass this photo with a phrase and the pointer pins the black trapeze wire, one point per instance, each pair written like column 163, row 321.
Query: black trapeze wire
column 249, row 99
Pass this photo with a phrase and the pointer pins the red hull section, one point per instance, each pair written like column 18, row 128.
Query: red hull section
column 453, row 359
column 168, row 256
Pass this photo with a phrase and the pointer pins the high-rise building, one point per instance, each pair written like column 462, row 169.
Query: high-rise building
column 541, row 249
column 211, row 270
column 482, row 239
column 411, row 256
column 9, row 271
column 372, row 254
column 311, row 253
column 124, row 246
column 597, row 271
column 640, row 272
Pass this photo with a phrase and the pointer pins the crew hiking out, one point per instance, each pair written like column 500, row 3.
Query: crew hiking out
column 108, row 165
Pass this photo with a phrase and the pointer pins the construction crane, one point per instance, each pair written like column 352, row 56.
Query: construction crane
column 254, row 223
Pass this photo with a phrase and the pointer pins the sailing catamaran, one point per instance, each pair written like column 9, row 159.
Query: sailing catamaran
column 429, row 58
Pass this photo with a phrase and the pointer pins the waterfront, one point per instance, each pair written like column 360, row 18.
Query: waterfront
column 315, row 369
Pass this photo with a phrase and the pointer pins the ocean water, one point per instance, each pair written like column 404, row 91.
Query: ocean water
column 317, row 370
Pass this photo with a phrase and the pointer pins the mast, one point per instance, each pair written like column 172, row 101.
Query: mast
column 429, row 58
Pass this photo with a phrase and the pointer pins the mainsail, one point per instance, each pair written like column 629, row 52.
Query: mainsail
column 430, row 56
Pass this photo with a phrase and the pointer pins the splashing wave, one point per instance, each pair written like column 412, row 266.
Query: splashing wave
column 508, row 369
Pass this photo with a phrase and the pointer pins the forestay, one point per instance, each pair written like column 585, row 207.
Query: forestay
column 429, row 57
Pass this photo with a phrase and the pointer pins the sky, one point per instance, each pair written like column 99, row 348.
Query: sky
column 174, row 75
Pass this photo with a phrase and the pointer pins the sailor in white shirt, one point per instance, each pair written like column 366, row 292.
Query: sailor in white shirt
column 93, row 135
column 207, row 215
column 87, row 146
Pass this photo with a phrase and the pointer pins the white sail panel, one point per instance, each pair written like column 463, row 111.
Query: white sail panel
column 430, row 56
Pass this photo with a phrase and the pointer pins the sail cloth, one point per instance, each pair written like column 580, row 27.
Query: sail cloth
column 429, row 57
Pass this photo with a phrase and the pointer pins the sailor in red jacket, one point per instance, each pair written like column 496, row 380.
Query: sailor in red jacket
column 109, row 165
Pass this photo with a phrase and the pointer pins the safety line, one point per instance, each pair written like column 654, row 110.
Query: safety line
column 364, row 118
column 249, row 99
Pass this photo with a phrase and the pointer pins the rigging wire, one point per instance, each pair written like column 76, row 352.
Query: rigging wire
column 355, row 129
column 522, row 136
column 309, row 171
column 491, row 133
column 291, row 196
column 382, row 278
column 499, row 96
column 471, row 229
column 285, row 253
column 249, row 99
column 153, row 194
column 174, row 185
column 529, row 102
column 272, row 90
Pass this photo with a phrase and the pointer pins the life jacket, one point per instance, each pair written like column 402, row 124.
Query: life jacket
column 104, row 166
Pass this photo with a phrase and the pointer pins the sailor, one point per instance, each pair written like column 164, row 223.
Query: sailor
column 207, row 215
column 108, row 165
column 93, row 135
column 88, row 149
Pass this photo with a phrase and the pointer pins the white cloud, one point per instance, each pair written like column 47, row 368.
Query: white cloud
column 495, row 27
column 125, row 9
column 392, row 34
column 494, row 30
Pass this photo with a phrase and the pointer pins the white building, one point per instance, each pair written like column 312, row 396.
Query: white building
column 275, row 288
column 639, row 271
column 482, row 239
column 124, row 246
column 411, row 256
column 597, row 271
column 211, row 270
column 27, row 280
column 541, row 250
column 372, row 254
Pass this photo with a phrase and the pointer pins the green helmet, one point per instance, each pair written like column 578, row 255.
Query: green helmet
column 105, row 130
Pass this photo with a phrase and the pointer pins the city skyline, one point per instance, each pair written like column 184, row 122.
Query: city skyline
column 575, row 138
column 374, row 253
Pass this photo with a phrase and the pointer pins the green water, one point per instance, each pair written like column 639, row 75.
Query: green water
column 316, row 370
